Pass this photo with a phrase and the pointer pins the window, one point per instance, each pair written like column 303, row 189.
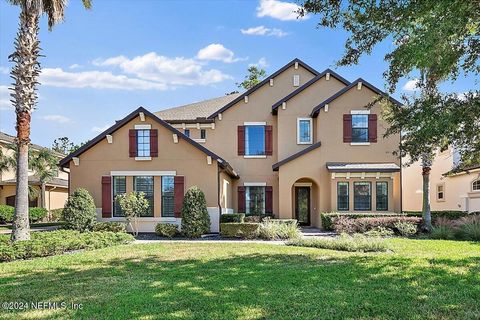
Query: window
column 145, row 184
column 382, row 196
column 342, row 196
column 187, row 132
column 143, row 143
column 255, row 200
column 304, row 131
column 254, row 140
column 440, row 192
column 119, row 186
column 168, row 203
column 476, row 185
column 296, row 80
column 359, row 127
column 203, row 134
column 362, row 196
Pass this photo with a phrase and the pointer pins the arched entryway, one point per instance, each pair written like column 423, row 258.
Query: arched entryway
column 304, row 200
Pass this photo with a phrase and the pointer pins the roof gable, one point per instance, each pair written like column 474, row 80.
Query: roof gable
column 370, row 86
column 296, row 155
column 263, row 82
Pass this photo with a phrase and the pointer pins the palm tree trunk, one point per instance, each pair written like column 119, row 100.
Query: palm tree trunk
column 43, row 202
column 25, row 73
column 426, row 213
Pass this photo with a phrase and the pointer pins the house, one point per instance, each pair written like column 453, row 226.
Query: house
column 56, row 191
column 452, row 186
column 298, row 143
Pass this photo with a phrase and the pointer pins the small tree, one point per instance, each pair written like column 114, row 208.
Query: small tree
column 195, row 218
column 133, row 204
column 254, row 76
column 80, row 211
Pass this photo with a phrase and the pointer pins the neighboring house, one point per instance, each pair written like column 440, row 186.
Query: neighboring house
column 452, row 186
column 299, row 143
column 56, row 192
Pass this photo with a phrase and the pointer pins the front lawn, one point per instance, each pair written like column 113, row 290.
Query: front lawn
column 422, row 279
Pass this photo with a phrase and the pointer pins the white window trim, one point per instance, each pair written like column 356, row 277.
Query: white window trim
column 143, row 158
column 255, row 156
column 259, row 123
column 359, row 111
column 436, row 192
column 143, row 173
column 471, row 185
column 143, row 126
column 359, row 143
column 298, row 130
column 254, row 184
column 200, row 140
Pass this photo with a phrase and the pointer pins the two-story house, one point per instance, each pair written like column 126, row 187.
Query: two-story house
column 299, row 143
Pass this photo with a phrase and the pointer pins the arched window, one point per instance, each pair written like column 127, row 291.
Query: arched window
column 476, row 185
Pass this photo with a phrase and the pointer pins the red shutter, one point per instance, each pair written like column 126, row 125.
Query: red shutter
column 178, row 193
column 268, row 140
column 241, row 140
column 347, row 128
column 268, row 199
column 154, row 142
column 106, row 196
column 372, row 128
column 132, row 142
column 241, row 199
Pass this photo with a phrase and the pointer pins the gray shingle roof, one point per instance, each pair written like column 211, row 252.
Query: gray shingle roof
column 193, row 111
column 7, row 139
column 33, row 180
column 362, row 167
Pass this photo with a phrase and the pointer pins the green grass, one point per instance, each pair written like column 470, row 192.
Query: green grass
column 421, row 279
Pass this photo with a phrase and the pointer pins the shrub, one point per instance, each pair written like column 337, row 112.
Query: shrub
column 79, row 212
column 469, row 228
column 284, row 221
column 56, row 242
column 195, row 218
column 327, row 218
column 6, row 213
column 232, row 217
column 344, row 242
column 361, row 225
column 36, row 214
column 246, row 230
column 256, row 219
column 449, row 214
column 168, row 230
column 444, row 232
column 56, row 215
column 405, row 229
column 110, row 226
column 271, row 229
column 134, row 205
column 380, row 232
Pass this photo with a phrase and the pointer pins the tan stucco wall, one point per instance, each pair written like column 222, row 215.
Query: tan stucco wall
column 55, row 198
column 181, row 157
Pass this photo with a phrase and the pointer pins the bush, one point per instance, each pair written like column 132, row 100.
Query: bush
column 256, row 219
column 380, row 232
column 6, row 213
column 232, row 217
column 110, row 226
column 246, row 230
column 449, row 214
column 405, row 229
column 56, row 215
column 344, row 242
column 469, row 228
column 443, row 232
column 195, row 218
column 79, row 212
column 57, row 242
column 361, row 225
column 168, row 230
column 36, row 214
column 271, row 229
column 327, row 218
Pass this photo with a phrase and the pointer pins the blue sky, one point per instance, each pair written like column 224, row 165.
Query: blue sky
column 102, row 63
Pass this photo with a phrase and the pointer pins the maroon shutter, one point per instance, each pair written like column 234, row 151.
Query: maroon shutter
column 241, row 199
column 372, row 128
column 178, row 192
column 268, row 199
column 154, row 142
column 132, row 142
column 347, row 128
column 241, row 140
column 106, row 196
column 268, row 141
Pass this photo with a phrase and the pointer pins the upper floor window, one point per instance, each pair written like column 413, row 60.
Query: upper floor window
column 476, row 185
column 187, row 132
column 143, row 143
column 203, row 134
column 304, row 131
column 254, row 140
column 359, row 127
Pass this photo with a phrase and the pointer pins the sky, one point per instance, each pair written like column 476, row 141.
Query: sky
column 101, row 64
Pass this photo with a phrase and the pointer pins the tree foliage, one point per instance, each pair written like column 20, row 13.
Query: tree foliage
column 134, row 205
column 254, row 76
column 79, row 212
column 195, row 218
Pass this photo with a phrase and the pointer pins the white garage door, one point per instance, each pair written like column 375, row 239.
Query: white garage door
column 474, row 204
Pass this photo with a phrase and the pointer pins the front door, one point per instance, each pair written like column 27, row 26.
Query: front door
column 302, row 205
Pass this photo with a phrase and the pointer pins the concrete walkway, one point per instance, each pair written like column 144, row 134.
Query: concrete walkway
column 33, row 229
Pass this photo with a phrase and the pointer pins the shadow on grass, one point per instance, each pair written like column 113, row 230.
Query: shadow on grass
column 257, row 286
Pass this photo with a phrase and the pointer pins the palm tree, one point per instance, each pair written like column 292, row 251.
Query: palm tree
column 24, row 96
column 44, row 164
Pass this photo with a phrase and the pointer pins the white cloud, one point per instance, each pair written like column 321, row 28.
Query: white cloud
column 56, row 118
column 411, row 85
column 100, row 129
column 262, row 63
column 169, row 72
column 279, row 10
column 218, row 52
column 264, row 31
column 5, row 103
column 56, row 77
column 74, row 66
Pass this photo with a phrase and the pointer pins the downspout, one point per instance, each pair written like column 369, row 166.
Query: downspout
column 401, row 176
column 219, row 170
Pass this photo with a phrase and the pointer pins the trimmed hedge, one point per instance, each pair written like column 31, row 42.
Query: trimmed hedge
column 355, row 243
column 232, row 217
column 361, row 225
column 168, row 230
column 449, row 214
column 44, row 244
column 56, row 214
column 239, row 230
column 35, row 214
column 328, row 217
column 110, row 226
